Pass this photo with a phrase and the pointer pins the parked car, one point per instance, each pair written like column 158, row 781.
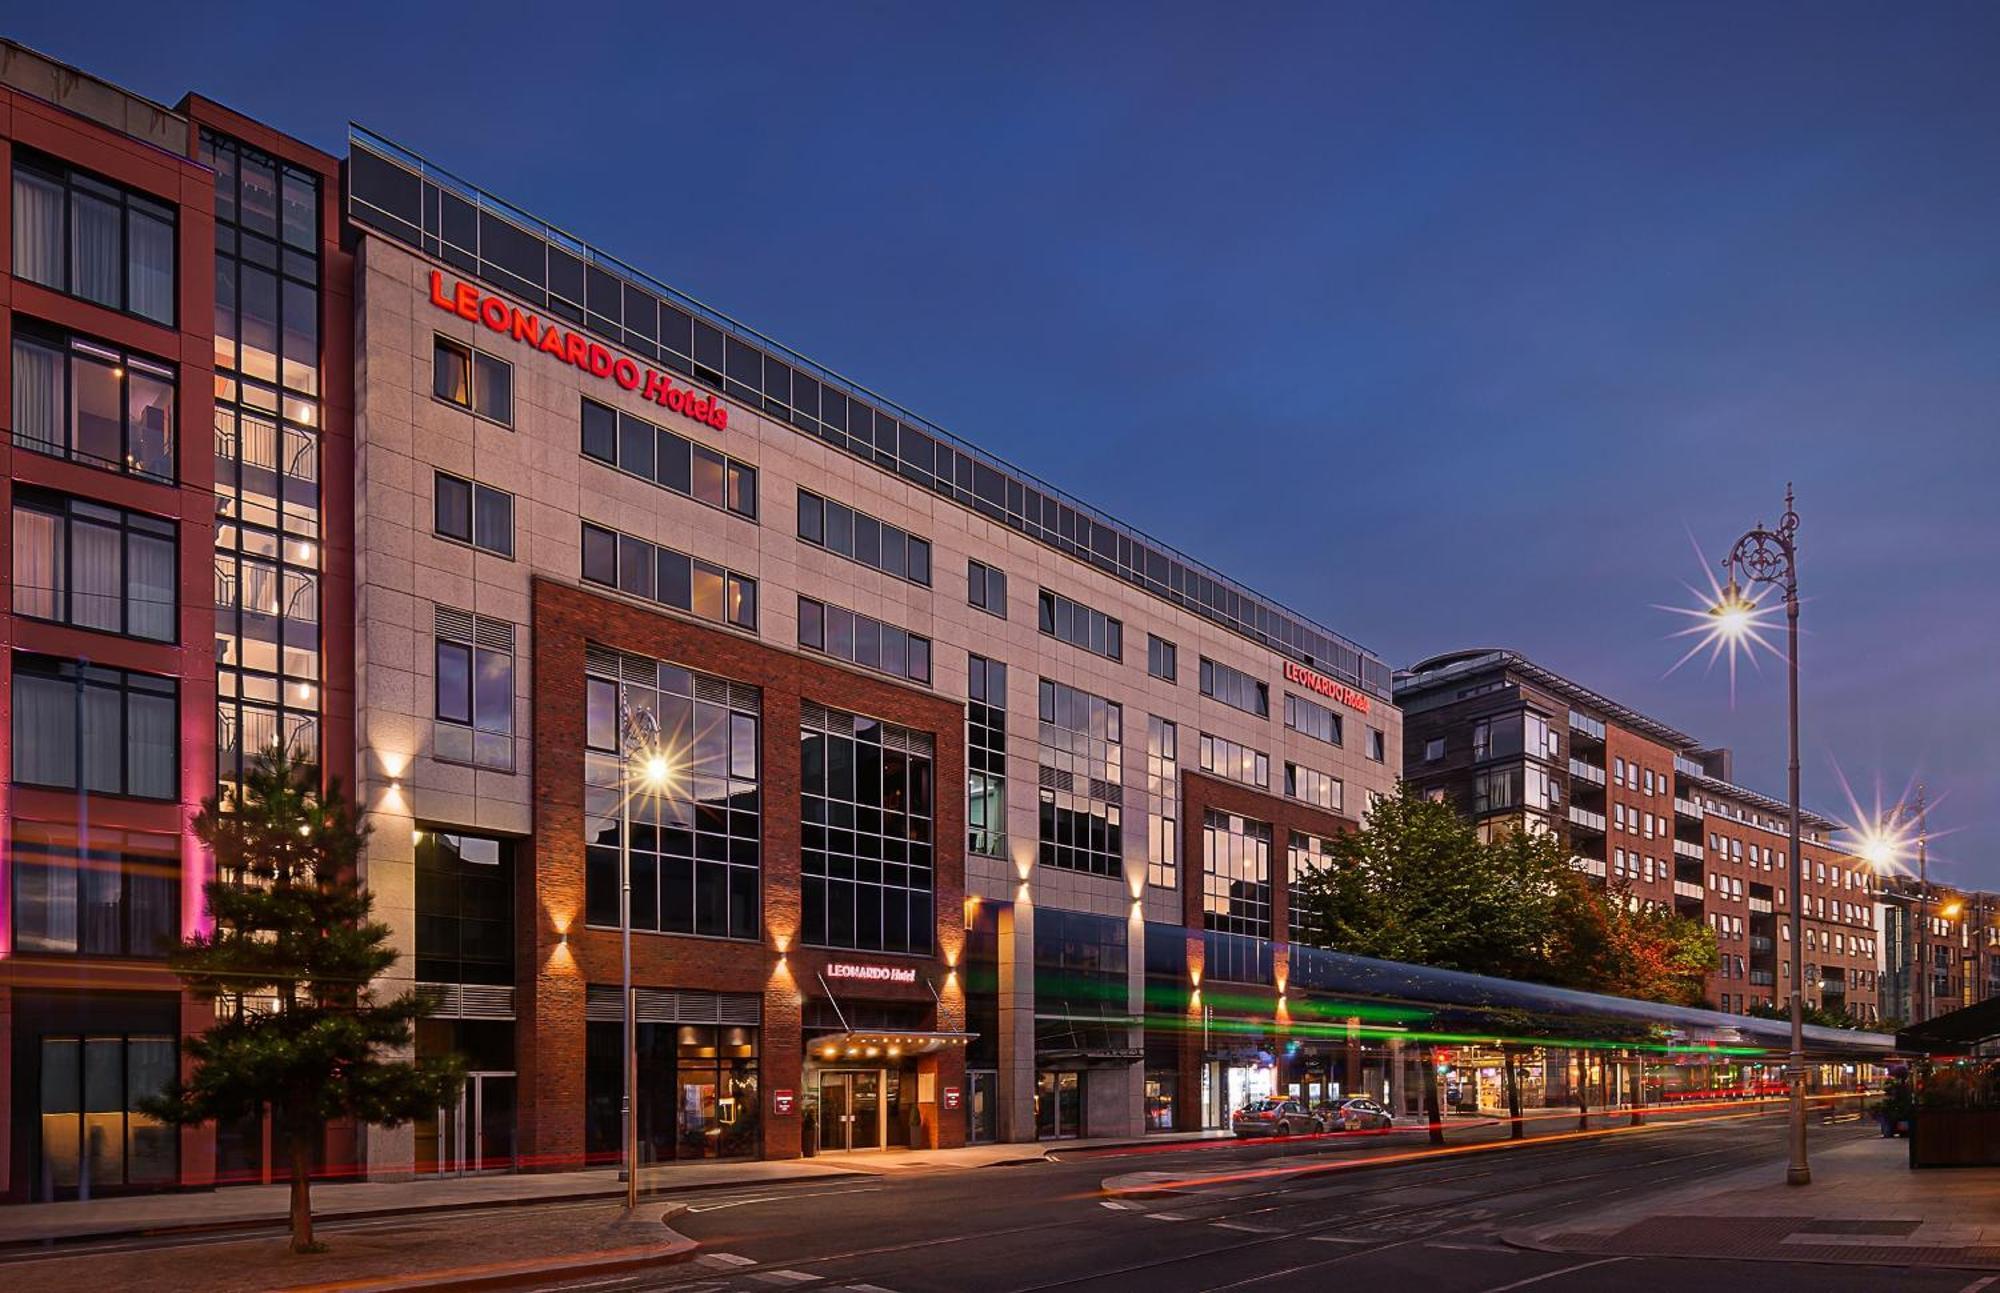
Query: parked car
column 1355, row 1113
column 1273, row 1117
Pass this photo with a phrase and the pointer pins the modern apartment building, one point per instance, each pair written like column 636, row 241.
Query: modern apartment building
column 925, row 771
column 1962, row 949
column 1647, row 807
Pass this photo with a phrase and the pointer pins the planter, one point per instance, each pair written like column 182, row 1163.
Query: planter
column 1955, row 1138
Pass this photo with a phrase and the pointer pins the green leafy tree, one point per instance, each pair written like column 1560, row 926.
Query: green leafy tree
column 289, row 962
column 1812, row 1014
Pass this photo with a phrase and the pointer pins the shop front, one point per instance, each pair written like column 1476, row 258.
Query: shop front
column 878, row 1073
column 698, row 1074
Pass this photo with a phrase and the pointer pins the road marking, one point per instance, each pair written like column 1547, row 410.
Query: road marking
column 786, row 1277
column 779, row 1198
column 1976, row 1285
column 1119, row 1205
column 866, row 1288
column 1250, row 1230
column 1340, row 1239
column 1473, row 1248
column 1166, row 1216
column 725, row 1259
column 1549, row 1275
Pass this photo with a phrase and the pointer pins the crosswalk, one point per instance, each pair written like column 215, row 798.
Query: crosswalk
column 782, row 1277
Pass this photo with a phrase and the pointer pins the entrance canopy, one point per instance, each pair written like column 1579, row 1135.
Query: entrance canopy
column 877, row 1044
column 1958, row 1032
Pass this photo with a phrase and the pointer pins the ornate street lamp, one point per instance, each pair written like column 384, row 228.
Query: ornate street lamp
column 1770, row 556
column 638, row 737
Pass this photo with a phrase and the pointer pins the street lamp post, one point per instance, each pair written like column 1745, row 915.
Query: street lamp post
column 638, row 731
column 1770, row 556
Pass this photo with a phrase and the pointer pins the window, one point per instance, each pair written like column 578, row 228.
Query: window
column 1163, row 803
column 1226, row 758
column 474, row 687
column 1308, row 718
column 1162, row 659
column 473, row 513
column 670, row 578
column 696, row 839
column 865, row 846
column 1081, row 775
column 986, row 588
column 1235, row 688
column 90, row 1124
column 1308, row 855
column 465, row 908
column 117, row 895
column 1378, row 744
column 473, row 379
column 986, row 756
column 859, row 639
column 1080, row 626
column 673, row 462
column 78, row 726
column 1313, row 787
column 93, row 566
column 1433, row 749
column 93, row 403
column 861, row 538
column 86, row 237
column 1236, row 874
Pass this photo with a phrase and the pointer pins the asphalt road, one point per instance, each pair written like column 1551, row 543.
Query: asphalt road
column 1413, row 1224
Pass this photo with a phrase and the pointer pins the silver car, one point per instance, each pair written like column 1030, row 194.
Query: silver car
column 1355, row 1113
column 1273, row 1117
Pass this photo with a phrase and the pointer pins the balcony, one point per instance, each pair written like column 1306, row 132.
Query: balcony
column 1585, row 725
column 1688, row 808
column 1581, row 771
column 1761, row 945
column 1685, row 889
column 1585, row 818
column 1688, row 767
column 1683, row 849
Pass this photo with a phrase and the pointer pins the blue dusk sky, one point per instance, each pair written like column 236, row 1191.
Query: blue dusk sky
column 1448, row 325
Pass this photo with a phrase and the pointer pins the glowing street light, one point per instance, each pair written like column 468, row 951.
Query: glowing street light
column 638, row 734
column 1731, row 623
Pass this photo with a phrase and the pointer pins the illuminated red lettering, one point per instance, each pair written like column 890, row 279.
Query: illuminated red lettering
column 577, row 351
column 552, row 340
column 1326, row 686
column 524, row 326
column 719, row 416
column 657, row 387
column 438, row 298
column 625, row 372
column 677, row 399
column 600, row 361
column 493, row 313
column 466, row 302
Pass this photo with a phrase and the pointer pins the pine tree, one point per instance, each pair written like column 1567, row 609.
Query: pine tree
column 290, row 963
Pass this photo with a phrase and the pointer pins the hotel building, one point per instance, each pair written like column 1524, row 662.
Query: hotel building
column 943, row 792
column 1647, row 807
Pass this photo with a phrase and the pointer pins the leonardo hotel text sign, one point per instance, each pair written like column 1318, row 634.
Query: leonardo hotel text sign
column 1326, row 686
column 871, row 973
column 575, row 349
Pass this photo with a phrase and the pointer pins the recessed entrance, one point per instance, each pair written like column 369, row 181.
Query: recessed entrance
column 473, row 1134
column 1058, row 1105
column 850, row 1109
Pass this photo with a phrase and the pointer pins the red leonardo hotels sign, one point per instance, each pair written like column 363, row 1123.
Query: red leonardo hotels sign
column 1326, row 686
column 575, row 349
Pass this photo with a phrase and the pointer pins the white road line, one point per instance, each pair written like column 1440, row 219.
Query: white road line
column 724, row 1259
column 1340, row 1239
column 786, row 1277
column 778, row 1198
column 1976, row 1285
column 1119, row 1205
column 1549, row 1275
column 1165, row 1216
column 1474, row 1248
column 1251, row 1230
column 866, row 1288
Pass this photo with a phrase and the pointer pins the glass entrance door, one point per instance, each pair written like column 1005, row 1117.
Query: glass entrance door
column 982, row 1108
column 850, row 1107
column 1058, row 1105
column 473, row 1134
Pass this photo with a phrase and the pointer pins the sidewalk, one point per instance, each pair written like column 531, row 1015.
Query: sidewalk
column 1864, row 1206
column 241, row 1206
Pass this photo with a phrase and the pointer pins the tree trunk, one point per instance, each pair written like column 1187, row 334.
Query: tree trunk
column 1582, row 1092
column 1433, row 1115
column 299, row 1141
column 1638, row 1090
column 1508, row 1061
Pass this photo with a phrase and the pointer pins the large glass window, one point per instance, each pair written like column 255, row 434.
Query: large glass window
column 470, row 512
column 1081, row 626
column 986, row 587
column 1162, row 659
column 93, row 1136
column 1082, row 780
column 93, row 403
column 90, row 238
column 474, row 682
column 1080, row 968
column 697, row 1095
column 107, row 893
column 1236, row 874
column 103, row 730
column 1308, row 855
column 1163, row 803
column 860, row 537
column 465, row 908
column 1309, row 718
column 473, row 379
column 93, row 566
column 696, row 830
column 659, row 574
column 986, row 756
column 673, row 462
column 867, row 848
column 863, row 640
column 1313, row 787
column 1235, row 688
column 1238, row 762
